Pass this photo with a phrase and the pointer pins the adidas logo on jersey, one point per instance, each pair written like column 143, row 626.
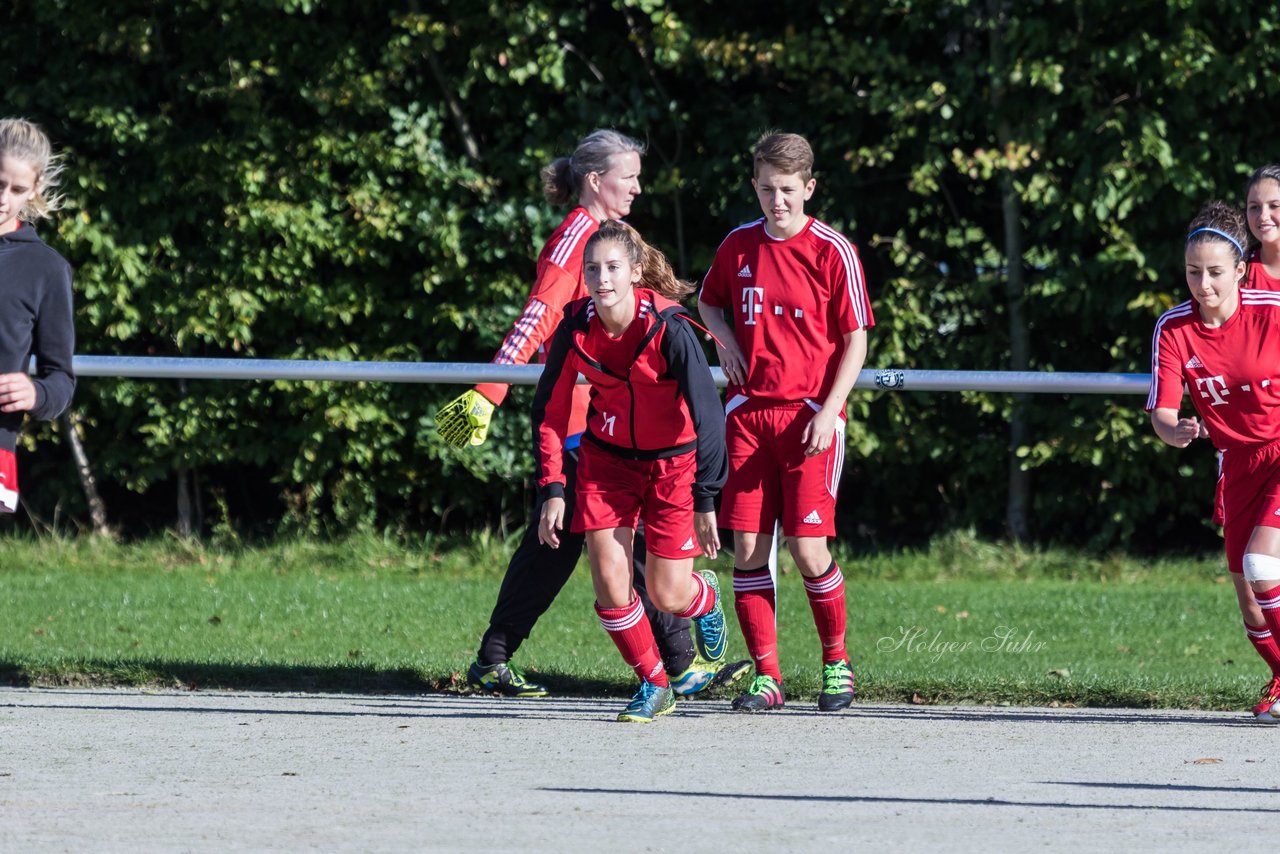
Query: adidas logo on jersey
column 688, row 544
column 745, row 272
column 813, row 518
column 1194, row 362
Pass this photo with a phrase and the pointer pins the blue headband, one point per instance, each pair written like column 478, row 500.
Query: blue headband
column 1223, row 234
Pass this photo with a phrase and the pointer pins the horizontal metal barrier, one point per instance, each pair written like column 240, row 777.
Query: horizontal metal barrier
column 468, row 373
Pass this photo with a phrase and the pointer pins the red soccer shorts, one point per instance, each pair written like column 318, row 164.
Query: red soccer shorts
column 771, row 478
column 1250, row 496
column 614, row 492
column 8, row 482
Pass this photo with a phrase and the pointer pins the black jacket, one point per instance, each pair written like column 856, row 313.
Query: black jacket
column 656, row 401
column 35, row 319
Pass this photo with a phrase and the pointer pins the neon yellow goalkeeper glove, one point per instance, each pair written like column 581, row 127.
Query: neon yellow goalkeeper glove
column 465, row 419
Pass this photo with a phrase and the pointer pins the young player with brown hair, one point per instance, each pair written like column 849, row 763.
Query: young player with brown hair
column 1223, row 347
column 653, row 450
column 1262, row 272
column 603, row 174
column 800, row 313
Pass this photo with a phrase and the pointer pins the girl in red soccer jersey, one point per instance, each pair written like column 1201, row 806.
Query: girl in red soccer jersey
column 1262, row 212
column 794, row 288
column 35, row 296
column 653, row 450
column 604, row 175
column 1223, row 345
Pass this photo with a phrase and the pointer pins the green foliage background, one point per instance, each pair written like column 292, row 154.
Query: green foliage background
column 342, row 180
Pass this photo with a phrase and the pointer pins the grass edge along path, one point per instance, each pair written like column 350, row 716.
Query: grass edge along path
column 959, row 622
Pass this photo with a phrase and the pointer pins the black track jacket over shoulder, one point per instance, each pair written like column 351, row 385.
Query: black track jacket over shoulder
column 652, row 395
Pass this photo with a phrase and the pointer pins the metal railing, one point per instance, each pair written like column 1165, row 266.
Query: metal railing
column 467, row 373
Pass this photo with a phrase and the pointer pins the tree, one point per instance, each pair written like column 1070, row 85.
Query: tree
column 307, row 179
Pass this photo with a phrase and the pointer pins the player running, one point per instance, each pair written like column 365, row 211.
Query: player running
column 1223, row 346
column 1262, row 212
column 604, row 175
column 653, row 450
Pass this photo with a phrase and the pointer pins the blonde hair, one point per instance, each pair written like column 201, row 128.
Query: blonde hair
column 655, row 271
column 787, row 152
column 25, row 141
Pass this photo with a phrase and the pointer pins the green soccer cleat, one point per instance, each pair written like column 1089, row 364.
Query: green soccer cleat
column 502, row 678
column 765, row 693
column 837, row 687
column 651, row 701
column 709, row 635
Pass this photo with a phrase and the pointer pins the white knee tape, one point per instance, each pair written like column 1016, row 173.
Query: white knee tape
column 1261, row 567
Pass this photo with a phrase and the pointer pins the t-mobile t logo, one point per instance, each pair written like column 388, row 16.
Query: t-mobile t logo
column 1213, row 388
column 752, row 304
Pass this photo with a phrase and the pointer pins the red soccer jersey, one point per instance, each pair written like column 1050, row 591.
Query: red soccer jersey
column 559, row 282
column 1231, row 371
column 652, row 396
column 792, row 302
column 1258, row 277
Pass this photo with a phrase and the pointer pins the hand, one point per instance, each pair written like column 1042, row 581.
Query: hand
column 732, row 362
column 819, row 433
column 17, row 393
column 551, row 522
column 465, row 419
column 1186, row 430
column 704, row 525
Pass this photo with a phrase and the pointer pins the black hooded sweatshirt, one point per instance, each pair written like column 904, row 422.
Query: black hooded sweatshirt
column 35, row 319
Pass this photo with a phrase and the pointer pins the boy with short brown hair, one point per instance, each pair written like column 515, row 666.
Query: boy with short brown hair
column 794, row 350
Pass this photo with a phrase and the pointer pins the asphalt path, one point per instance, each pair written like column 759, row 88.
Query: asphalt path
column 112, row 770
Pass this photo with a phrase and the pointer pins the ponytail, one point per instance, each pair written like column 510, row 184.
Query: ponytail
column 657, row 275
column 557, row 181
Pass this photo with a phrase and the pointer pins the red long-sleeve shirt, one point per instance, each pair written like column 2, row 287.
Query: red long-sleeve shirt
column 558, row 282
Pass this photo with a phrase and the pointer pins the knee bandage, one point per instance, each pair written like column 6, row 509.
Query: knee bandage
column 1259, row 567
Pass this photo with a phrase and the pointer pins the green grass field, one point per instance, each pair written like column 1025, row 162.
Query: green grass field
column 961, row 621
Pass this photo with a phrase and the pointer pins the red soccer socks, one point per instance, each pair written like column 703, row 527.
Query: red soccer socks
column 826, row 599
column 1265, row 643
column 633, row 636
column 704, row 599
column 754, row 599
